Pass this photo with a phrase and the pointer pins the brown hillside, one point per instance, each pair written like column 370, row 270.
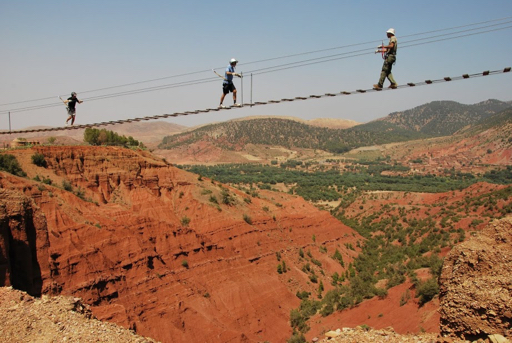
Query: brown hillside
column 331, row 123
column 474, row 153
column 203, row 152
column 150, row 133
column 419, row 206
column 207, row 151
column 144, row 244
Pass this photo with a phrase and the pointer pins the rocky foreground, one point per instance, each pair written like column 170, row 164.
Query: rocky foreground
column 388, row 335
column 24, row 318
column 362, row 335
column 476, row 285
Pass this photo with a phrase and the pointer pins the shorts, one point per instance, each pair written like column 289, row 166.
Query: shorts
column 228, row 87
column 71, row 111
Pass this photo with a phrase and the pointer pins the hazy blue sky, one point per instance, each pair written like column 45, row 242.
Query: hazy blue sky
column 50, row 48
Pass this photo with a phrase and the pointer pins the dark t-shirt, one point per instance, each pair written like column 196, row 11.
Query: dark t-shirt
column 72, row 102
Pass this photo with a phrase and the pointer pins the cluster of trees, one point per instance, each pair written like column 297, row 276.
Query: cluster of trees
column 503, row 176
column 106, row 137
column 332, row 184
column 380, row 258
column 495, row 204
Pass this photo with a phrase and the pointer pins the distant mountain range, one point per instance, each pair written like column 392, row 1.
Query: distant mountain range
column 444, row 118
column 435, row 119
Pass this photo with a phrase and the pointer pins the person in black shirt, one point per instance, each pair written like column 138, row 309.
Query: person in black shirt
column 71, row 103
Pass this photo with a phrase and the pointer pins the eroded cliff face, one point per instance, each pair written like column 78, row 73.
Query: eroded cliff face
column 23, row 240
column 162, row 251
column 476, row 285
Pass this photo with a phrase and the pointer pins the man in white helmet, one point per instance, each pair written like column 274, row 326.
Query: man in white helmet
column 389, row 60
column 227, row 85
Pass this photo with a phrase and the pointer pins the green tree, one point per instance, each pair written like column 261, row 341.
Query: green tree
column 39, row 160
column 297, row 337
column 9, row 163
column 427, row 290
column 104, row 137
column 227, row 198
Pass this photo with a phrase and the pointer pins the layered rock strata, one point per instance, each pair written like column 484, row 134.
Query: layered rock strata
column 164, row 252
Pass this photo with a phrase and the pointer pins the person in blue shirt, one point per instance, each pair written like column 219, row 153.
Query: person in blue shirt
column 227, row 85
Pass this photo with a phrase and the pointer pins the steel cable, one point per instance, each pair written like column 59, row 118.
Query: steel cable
column 298, row 98
column 275, row 68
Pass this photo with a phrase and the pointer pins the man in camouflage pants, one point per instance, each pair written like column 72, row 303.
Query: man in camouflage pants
column 389, row 60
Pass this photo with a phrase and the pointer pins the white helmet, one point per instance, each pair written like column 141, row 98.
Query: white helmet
column 233, row 60
column 392, row 31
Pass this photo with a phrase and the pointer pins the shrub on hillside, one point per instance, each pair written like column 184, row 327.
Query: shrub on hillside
column 227, row 198
column 67, row 185
column 427, row 290
column 303, row 295
column 247, row 219
column 297, row 337
column 9, row 163
column 38, row 160
column 185, row 221
column 298, row 321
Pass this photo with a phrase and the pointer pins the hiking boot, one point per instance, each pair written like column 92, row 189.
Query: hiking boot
column 237, row 105
column 393, row 86
column 377, row 87
column 222, row 106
